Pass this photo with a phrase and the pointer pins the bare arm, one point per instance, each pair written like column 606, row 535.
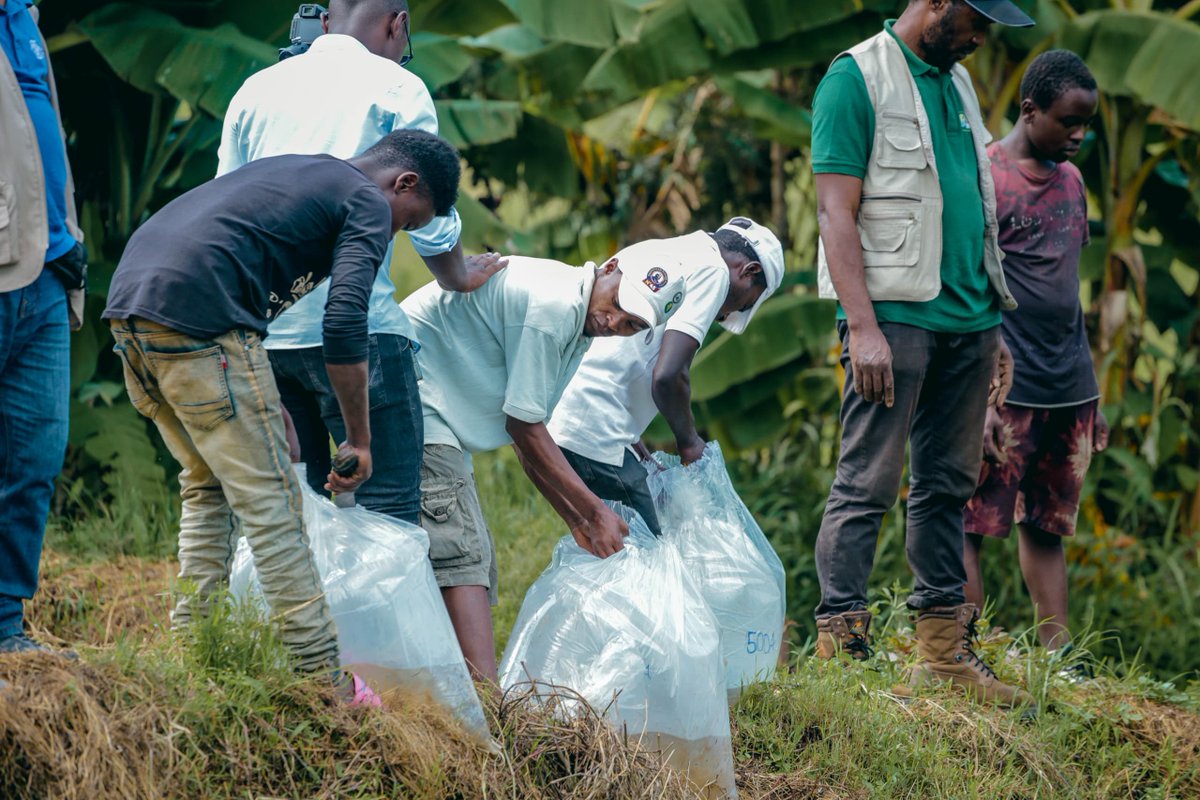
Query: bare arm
column 594, row 525
column 672, row 392
column 838, row 198
column 458, row 273
column 350, row 385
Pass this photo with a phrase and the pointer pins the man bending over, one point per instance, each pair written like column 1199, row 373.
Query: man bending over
column 189, row 306
column 494, row 363
column 623, row 383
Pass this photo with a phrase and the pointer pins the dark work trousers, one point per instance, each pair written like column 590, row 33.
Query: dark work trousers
column 624, row 484
column 941, row 385
column 397, row 429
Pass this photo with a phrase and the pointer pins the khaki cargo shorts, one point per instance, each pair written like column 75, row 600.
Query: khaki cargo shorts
column 460, row 544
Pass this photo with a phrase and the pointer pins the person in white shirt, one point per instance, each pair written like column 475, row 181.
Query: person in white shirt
column 338, row 98
column 494, row 363
column 623, row 383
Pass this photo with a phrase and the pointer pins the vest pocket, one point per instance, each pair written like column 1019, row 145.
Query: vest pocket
column 10, row 250
column 890, row 233
column 899, row 142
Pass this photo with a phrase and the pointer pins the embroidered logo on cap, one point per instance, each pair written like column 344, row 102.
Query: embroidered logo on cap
column 656, row 279
column 676, row 300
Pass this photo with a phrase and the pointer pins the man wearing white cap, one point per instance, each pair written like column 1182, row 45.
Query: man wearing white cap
column 494, row 364
column 622, row 384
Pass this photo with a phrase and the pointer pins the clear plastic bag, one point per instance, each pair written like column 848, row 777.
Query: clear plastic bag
column 738, row 571
column 393, row 629
column 630, row 635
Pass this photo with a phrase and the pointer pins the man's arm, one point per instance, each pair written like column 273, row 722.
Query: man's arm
column 672, row 392
column 230, row 153
column 458, row 273
column 838, row 198
column 594, row 525
column 361, row 244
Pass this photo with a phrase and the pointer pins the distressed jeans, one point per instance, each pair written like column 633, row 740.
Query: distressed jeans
column 397, row 426
column 217, row 408
column 35, row 381
column 941, row 383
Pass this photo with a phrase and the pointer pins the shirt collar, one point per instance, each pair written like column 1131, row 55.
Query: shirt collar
column 337, row 41
column 585, row 291
column 915, row 65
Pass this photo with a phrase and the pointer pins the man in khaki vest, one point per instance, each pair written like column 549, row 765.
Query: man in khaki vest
column 42, row 271
column 908, row 247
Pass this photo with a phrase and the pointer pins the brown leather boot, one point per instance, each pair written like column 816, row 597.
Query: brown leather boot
column 945, row 637
column 845, row 633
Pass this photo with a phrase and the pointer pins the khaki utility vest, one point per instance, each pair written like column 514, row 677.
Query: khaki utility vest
column 24, row 229
column 900, row 215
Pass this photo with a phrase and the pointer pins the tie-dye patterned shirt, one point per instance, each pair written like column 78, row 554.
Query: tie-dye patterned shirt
column 1043, row 228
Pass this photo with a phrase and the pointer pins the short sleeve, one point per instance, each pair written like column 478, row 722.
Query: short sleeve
column 843, row 121
column 706, row 291
column 534, row 359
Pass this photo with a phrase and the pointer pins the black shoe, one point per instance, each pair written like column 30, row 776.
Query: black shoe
column 20, row 643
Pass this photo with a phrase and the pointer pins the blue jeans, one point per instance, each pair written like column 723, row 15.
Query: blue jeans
column 35, row 382
column 397, row 427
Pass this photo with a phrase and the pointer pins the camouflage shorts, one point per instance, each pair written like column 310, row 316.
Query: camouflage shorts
column 1046, row 453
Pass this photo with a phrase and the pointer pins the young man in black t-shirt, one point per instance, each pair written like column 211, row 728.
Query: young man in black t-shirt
column 189, row 306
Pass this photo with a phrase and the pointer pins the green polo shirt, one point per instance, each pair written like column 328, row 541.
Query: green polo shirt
column 843, row 132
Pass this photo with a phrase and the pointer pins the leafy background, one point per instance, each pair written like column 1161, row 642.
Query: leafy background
column 586, row 126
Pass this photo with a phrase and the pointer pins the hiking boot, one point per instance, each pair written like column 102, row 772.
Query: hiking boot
column 844, row 633
column 945, row 638
column 20, row 643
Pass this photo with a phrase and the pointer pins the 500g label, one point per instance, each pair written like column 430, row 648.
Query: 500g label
column 760, row 642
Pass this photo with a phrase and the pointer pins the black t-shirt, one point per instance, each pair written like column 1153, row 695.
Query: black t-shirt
column 240, row 249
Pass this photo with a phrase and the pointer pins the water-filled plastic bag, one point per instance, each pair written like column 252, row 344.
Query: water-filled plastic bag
column 739, row 573
column 392, row 625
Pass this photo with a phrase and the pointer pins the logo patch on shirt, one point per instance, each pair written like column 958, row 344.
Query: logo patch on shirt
column 962, row 121
column 656, row 279
column 38, row 52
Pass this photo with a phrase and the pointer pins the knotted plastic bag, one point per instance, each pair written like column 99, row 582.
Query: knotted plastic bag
column 630, row 635
column 738, row 571
column 392, row 625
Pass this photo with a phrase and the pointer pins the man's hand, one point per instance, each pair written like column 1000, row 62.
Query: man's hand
column 361, row 458
column 692, row 450
column 993, row 438
column 480, row 269
column 602, row 534
column 1002, row 376
column 456, row 272
column 1100, row 432
column 871, row 365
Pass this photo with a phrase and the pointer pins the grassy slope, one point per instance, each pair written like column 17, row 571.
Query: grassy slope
column 148, row 715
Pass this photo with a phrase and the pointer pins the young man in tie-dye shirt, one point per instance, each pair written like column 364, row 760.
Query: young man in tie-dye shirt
column 1038, row 446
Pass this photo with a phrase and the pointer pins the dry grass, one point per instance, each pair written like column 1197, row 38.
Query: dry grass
column 106, row 730
column 99, row 602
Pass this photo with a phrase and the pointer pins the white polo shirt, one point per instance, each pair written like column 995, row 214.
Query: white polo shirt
column 609, row 404
column 338, row 98
column 506, row 349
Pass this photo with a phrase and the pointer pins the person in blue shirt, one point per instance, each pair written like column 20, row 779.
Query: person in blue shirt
column 42, row 272
column 338, row 98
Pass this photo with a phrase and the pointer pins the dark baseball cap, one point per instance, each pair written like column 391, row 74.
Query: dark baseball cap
column 1004, row 12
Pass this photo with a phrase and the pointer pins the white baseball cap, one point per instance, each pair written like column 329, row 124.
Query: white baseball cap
column 770, row 255
column 652, row 297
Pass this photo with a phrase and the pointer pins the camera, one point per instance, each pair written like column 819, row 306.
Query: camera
column 306, row 26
